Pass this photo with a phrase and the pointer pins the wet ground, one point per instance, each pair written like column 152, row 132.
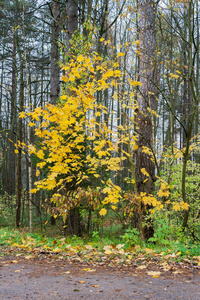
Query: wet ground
column 59, row 279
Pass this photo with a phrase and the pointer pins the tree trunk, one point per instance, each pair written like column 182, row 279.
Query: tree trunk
column 11, row 162
column 72, row 22
column 55, row 53
column 147, row 97
column 19, row 137
column 73, row 221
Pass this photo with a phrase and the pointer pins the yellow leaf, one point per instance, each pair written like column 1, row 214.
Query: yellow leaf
column 155, row 274
column 113, row 207
column 106, row 190
column 174, row 75
column 163, row 193
column 22, row 115
column 184, row 205
column 103, row 212
column 56, row 249
column 40, row 154
column 32, row 149
column 120, row 54
column 148, row 250
column 63, row 97
column 176, row 206
column 134, row 83
column 33, row 191
column 108, row 252
column 31, row 124
column 143, row 170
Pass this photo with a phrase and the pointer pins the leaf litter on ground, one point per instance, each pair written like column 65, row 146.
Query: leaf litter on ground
column 151, row 261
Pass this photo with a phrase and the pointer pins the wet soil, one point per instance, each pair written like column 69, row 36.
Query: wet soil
column 50, row 279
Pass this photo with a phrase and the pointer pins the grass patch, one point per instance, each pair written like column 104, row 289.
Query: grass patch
column 125, row 249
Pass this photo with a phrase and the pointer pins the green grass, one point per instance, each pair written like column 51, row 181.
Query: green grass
column 23, row 240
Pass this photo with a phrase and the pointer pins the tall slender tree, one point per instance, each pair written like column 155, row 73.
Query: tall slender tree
column 147, row 102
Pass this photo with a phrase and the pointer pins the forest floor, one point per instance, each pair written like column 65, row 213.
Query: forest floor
column 51, row 278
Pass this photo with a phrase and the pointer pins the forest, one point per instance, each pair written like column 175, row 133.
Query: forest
column 99, row 120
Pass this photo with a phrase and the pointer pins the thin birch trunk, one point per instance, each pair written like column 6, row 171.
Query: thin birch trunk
column 28, row 129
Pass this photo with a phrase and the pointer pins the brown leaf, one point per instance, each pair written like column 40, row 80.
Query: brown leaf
column 13, row 261
column 177, row 272
column 95, row 285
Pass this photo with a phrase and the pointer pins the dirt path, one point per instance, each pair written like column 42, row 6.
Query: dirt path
column 51, row 280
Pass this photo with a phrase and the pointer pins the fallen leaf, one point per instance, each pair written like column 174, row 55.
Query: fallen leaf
column 28, row 256
column 63, row 239
column 137, row 247
column 170, row 256
column 56, row 250
column 119, row 246
column 14, row 261
column 154, row 274
column 177, row 272
column 165, row 267
column 148, row 250
column 95, row 285
column 89, row 270
column 108, row 252
column 17, row 271
column 141, row 267
column 107, row 247
column 121, row 251
column 81, row 281
column 88, row 247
